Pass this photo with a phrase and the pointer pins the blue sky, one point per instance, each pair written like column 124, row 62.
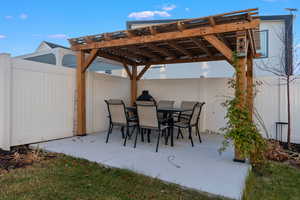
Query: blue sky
column 25, row 23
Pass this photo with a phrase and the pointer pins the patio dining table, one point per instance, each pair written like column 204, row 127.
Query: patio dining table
column 169, row 112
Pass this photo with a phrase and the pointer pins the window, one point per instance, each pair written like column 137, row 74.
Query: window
column 69, row 60
column 108, row 71
column 264, row 43
column 46, row 58
column 160, row 67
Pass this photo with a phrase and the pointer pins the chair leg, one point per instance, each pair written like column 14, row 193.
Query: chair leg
column 127, row 134
column 149, row 131
column 148, row 136
column 109, row 131
column 167, row 136
column 190, row 135
column 159, row 132
column 179, row 133
column 122, row 130
column 132, row 132
column 198, row 132
column 142, row 134
column 136, row 136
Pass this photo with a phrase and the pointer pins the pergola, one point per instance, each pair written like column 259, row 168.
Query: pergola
column 229, row 36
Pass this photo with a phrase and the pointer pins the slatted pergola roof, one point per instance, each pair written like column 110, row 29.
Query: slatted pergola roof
column 229, row 36
column 177, row 42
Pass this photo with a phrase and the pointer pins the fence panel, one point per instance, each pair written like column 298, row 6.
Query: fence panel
column 42, row 102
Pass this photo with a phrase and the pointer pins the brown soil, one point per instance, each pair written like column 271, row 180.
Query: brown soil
column 20, row 156
column 278, row 152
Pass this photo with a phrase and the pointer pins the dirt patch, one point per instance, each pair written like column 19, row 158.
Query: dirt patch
column 276, row 151
column 21, row 156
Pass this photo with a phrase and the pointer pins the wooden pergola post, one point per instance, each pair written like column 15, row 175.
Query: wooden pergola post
column 250, row 95
column 81, row 112
column 240, row 93
column 133, row 84
column 82, row 65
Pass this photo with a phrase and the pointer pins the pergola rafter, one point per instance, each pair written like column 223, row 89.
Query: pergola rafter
column 212, row 38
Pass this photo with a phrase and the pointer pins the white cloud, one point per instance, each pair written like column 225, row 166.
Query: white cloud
column 8, row 17
column 23, row 16
column 148, row 14
column 58, row 36
column 2, row 36
column 187, row 9
column 169, row 7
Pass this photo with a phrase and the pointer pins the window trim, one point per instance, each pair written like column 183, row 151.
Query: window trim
column 267, row 45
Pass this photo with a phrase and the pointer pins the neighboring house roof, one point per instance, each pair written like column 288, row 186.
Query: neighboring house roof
column 52, row 45
column 47, row 53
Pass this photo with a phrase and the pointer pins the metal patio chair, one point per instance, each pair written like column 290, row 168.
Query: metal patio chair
column 148, row 119
column 164, row 104
column 184, row 116
column 118, row 116
column 191, row 122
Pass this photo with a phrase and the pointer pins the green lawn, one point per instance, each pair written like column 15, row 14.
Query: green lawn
column 69, row 178
column 278, row 182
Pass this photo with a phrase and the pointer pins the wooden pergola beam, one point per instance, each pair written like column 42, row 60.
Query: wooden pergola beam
column 202, row 46
column 93, row 54
column 186, row 60
column 160, row 50
column 202, row 31
column 128, row 54
column 116, row 58
column 180, row 26
column 252, row 43
column 130, row 33
column 143, row 52
column 179, row 48
column 212, row 21
column 220, row 46
column 153, row 30
column 143, row 72
column 127, row 70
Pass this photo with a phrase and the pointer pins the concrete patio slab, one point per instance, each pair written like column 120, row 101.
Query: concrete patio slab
column 200, row 167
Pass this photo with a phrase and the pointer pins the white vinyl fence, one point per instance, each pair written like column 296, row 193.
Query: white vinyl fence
column 100, row 87
column 37, row 101
column 270, row 101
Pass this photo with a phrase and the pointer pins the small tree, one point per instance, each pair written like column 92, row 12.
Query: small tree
column 288, row 65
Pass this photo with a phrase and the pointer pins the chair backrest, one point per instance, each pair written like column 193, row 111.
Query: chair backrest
column 117, row 112
column 147, row 114
column 165, row 104
column 194, row 118
column 188, row 105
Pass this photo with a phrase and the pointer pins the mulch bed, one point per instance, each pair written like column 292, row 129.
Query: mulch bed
column 21, row 156
column 277, row 151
